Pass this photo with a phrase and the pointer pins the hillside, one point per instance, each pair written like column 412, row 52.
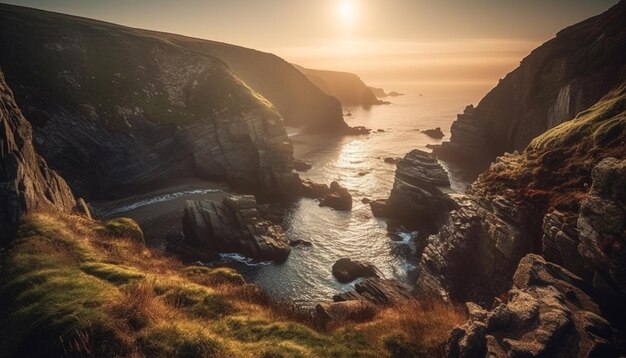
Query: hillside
column 561, row 78
column 137, row 109
column 82, row 288
column 347, row 87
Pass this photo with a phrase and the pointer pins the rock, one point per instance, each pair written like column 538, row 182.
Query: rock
column 358, row 130
column 380, row 130
column 301, row 165
column 314, row 190
column 436, row 133
column 417, row 199
column 304, row 243
column 547, row 314
column 354, row 310
column 362, row 174
column 82, row 208
column 602, row 226
column 26, row 182
column 381, row 292
column 345, row 270
column 233, row 225
column 380, row 208
column 391, row 160
column 337, row 198
column 365, row 200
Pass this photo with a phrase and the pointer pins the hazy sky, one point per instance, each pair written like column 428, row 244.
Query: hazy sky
column 384, row 41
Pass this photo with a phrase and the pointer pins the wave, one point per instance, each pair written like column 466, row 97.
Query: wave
column 160, row 199
column 236, row 257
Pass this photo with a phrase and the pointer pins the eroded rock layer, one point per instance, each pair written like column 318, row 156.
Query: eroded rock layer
column 26, row 181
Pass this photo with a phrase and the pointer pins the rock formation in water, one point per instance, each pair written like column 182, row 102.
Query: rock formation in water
column 232, row 225
column 417, row 199
column 347, row 87
column 546, row 314
column 435, row 133
column 346, row 270
column 380, row 93
column 26, row 181
column 334, row 196
column 378, row 291
column 561, row 78
column 137, row 109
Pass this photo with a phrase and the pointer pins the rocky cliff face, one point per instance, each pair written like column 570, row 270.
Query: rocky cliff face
column 562, row 197
column 348, row 88
column 118, row 110
column 26, row 181
column 556, row 81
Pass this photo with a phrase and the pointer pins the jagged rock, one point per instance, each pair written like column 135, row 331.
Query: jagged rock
column 391, row 160
column 515, row 111
column 338, row 198
column 602, row 227
column 380, row 208
column 417, row 199
column 26, row 181
column 436, row 133
column 345, row 270
column 355, row 310
column 334, row 196
column 377, row 291
column 301, row 165
column 83, row 208
column 233, row 225
column 560, row 241
column 475, row 253
column 547, row 315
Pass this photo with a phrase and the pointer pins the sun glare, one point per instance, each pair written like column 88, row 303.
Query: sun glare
column 347, row 12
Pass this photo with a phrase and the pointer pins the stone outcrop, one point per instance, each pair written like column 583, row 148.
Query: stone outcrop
column 436, row 133
column 26, row 181
column 556, row 81
column 602, row 228
column 334, row 196
column 380, row 208
column 232, row 225
column 417, row 199
column 346, row 270
column 547, row 314
column 161, row 109
column 378, row 291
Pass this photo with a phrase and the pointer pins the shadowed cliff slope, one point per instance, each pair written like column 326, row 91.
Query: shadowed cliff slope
column 561, row 78
column 26, row 181
column 116, row 110
column 347, row 87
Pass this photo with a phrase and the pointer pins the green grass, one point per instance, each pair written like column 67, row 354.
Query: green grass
column 122, row 227
column 68, row 289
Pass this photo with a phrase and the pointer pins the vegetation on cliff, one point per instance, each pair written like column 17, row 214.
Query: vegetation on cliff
column 71, row 288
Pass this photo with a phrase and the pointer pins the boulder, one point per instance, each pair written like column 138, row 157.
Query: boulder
column 301, row 165
column 378, row 291
column 233, row 225
column 380, row 208
column 417, row 199
column 337, row 198
column 547, row 314
column 436, row 133
column 345, row 270
column 391, row 160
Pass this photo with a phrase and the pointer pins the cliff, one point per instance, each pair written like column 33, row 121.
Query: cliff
column 561, row 78
column 137, row 109
column 563, row 197
column 347, row 87
column 26, row 182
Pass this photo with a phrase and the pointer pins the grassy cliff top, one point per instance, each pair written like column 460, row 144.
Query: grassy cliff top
column 71, row 286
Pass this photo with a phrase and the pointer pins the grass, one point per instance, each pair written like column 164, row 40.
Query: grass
column 68, row 287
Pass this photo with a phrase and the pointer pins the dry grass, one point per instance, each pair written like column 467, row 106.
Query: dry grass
column 77, row 291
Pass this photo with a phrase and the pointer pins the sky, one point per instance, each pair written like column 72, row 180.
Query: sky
column 434, row 42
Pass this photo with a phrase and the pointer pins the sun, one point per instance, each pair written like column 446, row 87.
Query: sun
column 346, row 12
